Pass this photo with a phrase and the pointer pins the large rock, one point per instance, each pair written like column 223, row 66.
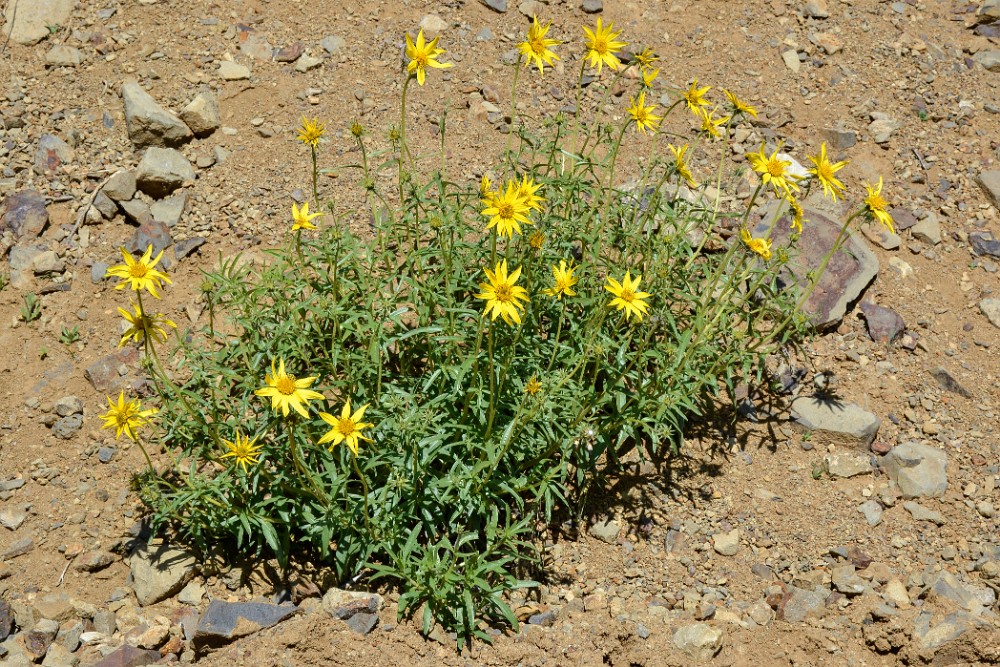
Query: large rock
column 698, row 640
column 128, row 656
column 989, row 181
column 29, row 23
column 24, row 215
column 991, row 309
column 224, row 622
column 798, row 604
column 356, row 608
column 52, row 153
column 918, row 470
column 202, row 114
column 846, row 276
column 844, row 421
column 159, row 571
column 121, row 185
column 989, row 59
column 149, row 124
column 162, row 170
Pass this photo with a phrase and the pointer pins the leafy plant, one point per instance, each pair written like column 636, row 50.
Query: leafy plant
column 69, row 335
column 31, row 310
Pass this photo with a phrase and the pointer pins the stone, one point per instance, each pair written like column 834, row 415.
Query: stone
column 433, row 25
column 128, row 656
column 148, row 123
column 159, row 571
column 798, row 604
column 791, row 59
column 55, row 606
column 150, row 233
column 840, row 139
column 47, row 262
column 6, row 620
column 882, row 128
column 728, row 543
column 991, row 309
column 230, row 71
column 847, row 465
column 946, row 585
column 592, row 6
column 290, row 53
column 188, row 246
column 95, row 561
column 815, row 9
column 25, row 215
column 927, row 230
column 40, row 636
column 989, row 181
column 169, row 211
column 31, row 24
column 121, row 186
column 920, row 471
column 62, row 55
column 201, row 114
column 989, row 59
column 847, row 275
column 698, row 641
column 105, row 454
column 59, row 656
column 921, row 513
column 136, row 211
column 19, row 548
column 105, row 205
column 606, row 530
column 152, row 637
column 845, row 580
column 192, row 594
column 224, row 622
column 949, row 383
column 12, row 518
column 103, row 374
column 984, row 244
column 105, row 622
column 344, row 604
column 843, row 421
column 307, row 62
column 872, row 512
column 496, row 5
column 760, row 612
column 884, row 324
column 883, row 237
column 829, row 42
column 256, row 46
column 162, row 170
column 67, row 427
column 333, row 44
column 68, row 405
column 530, row 8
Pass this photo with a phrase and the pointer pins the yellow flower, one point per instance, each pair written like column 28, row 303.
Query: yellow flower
column 423, row 55
column 126, row 417
column 536, row 47
column 739, row 106
column 876, row 206
column 797, row 213
column 602, row 46
column 709, row 124
column 502, row 296
column 243, row 451
column 646, row 58
column 506, row 210
column 564, row 280
column 287, row 392
column 643, row 115
column 302, row 218
column 536, row 240
column 532, row 386
column 142, row 325
column 826, row 173
column 773, row 171
column 626, row 296
column 695, row 96
column 681, row 165
column 649, row 76
column 140, row 274
column 346, row 428
column 357, row 129
column 761, row 247
column 311, row 132
column 486, row 187
column 526, row 190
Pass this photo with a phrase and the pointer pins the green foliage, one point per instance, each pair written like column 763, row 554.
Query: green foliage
column 4, row 280
column 31, row 310
column 69, row 335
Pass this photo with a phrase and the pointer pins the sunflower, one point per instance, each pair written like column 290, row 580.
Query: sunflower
column 532, row 386
column 739, row 106
column 503, row 297
column 642, row 115
column 709, row 124
column 798, row 214
column 760, row 247
column 602, row 45
column 527, row 189
column 301, row 218
column 695, row 96
column 311, row 132
column 876, row 206
column 627, row 297
column 140, row 274
column 126, row 417
column 243, row 451
column 773, row 171
column 826, row 173
column 423, row 55
column 285, row 391
column 681, row 165
column 346, row 428
column 535, row 48
column 143, row 326
column 506, row 211
column 563, row 280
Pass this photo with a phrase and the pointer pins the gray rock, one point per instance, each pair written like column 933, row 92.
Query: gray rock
column 847, row 275
column 946, row 585
column 846, row 581
column 989, row 11
column 815, row 9
column 433, row 25
column 94, row 561
column 592, row 6
column 224, row 622
column 728, row 543
column 40, row 636
column 932, row 637
column 921, row 513
column 800, row 604
column 496, row 5
column 169, row 210
column 918, row 470
column 844, row 420
column 19, row 548
column 698, row 640
column 202, row 114
column 991, row 309
column 230, row 71
column 984, row 244
column 128, row 656
column 192, row 594
column 105, row 454
column 104, row 373
column 188, row 246
column 257, row 47
column 989, row 59
column 47, row 262
column 31, row 24
column 151, row 233
column 884, row 324
column 136, row 211
column 839, row 138
column 98, row 271
column 58, row 655
column 52, row 154
column 344, row 604
column 25, row 215
column 11, row 518
column 105, row 205
column 989, row 181
column 848, row 465
column 307, row 62
column 605, row 531
column 68, row 405
column 66, row 427
column 949, row 383
column 159, row 571
column 121, row 186
column 872, row 511
column 876, row 233
column 760, row 612
column 105, row 622
column 791, row 59
column 162, row 170
column 927, row 230
column 882, row 128
column 62, row 55
column 149, row 124
column 332, row 44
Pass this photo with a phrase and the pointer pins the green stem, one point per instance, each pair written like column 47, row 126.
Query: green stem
column 315, row 175
column 513, row 108
column 364, row 490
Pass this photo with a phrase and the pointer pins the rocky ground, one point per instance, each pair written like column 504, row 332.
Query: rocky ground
column 858, row 531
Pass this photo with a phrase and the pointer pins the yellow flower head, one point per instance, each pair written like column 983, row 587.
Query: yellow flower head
column 798, row 214
column 535, row 48
column 646, row 58
column 287, row 392
column 140, row 274
column 627, row 296
column 143, row 326
column 503, row 297
column 301, row 218
column 876, row 206
column 346, row 428
column 709, row 124
column 527, row 189
column 357, row 130
column 506, row 211
column 563, row 280
column 695, row 96
column 649, row 76
column 243, row 451
column 642, row 115
column 826, row 173
column 536, row 240
column 602, row 45
column 423, row 55
column 311, row 132
column 760, row 247
column 773, row 171
column 739, row 106
column 532, row 386
column 486, row 187
column 681, row 165
column 126, row 417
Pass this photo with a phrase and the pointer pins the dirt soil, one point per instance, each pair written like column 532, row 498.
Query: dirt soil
column 747, row 525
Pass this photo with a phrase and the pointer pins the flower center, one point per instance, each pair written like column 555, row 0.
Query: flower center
column 776, row 168
column 628, row 296
column 537, row 46
column 875, row 202
column 503, row 293
column 285, row 385
column 138, row 270
column 505, row 210
column 601, row 45
column 421, row 59
column 345, row 425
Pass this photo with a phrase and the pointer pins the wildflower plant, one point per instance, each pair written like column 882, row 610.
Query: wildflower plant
column 486, row 354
